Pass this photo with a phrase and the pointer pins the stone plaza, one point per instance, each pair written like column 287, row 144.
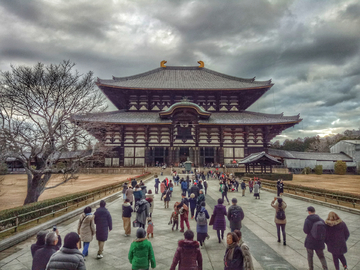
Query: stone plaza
column 259, row 232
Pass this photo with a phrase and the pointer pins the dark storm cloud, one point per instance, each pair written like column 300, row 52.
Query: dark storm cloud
column 310, row 49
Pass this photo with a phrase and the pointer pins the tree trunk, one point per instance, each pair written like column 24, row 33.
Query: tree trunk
column 36, row 186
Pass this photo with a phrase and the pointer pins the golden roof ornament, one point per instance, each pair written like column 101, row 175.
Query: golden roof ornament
column 201, row 64
column 162, row 63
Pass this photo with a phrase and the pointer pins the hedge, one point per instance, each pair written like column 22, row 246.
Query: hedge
column 318, row 169
column 273, row 176
column 13, row 212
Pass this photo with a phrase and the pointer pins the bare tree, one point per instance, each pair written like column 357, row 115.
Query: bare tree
column 36, row 105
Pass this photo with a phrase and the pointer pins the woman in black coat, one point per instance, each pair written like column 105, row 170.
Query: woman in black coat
column 337, row 234
column 103, row 223
column 233, row 259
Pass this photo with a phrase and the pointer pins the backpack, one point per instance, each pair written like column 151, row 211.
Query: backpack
column 201, row 218
column 140, row 208
column 236, row 215
column 280, row 214
column 318, row 230
column 184, row 185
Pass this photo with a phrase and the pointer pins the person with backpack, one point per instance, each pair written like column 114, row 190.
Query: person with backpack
column 247, row 260
column 188, row 254
column 103, row 224
column 142, row 209
column 219, row 214
column 184, row 185
column 201, row 218
column 280, row 218
column 195, row 189
column 337, row 233
column 162, row 188
column 235, row 215
column 200, row 199
column 315, row 230
column 233, row 259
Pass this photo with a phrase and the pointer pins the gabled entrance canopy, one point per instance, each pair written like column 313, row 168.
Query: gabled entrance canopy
column 259, row 160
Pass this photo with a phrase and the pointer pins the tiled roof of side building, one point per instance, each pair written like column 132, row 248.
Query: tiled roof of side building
column 187, row 78
column 256, row 156
column 324, row 156
column 126, row 117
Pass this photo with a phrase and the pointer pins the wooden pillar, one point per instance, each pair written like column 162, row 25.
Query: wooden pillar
column 246, row 140
column 221, row 148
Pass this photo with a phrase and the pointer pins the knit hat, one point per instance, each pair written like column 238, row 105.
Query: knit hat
column 71, row 240
column 192, row 195
column 140, row 233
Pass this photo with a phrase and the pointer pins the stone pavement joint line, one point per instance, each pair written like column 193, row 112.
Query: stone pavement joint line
column 259, row 232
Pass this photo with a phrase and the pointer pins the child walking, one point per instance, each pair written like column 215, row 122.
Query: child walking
column 150, row 228
column 174, row 218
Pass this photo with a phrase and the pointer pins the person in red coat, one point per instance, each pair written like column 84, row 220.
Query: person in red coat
column 188, row 254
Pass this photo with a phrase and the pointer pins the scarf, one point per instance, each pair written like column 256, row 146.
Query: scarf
column 230, row 251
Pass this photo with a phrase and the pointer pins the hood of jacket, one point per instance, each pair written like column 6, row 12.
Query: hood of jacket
column 126, row 204
column 140, row 239
column 313, row 218
column 188, row 243
column 219, row 206
column 333, row 223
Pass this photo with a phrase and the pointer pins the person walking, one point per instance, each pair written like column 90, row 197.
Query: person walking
column 201, row 218
column 205, row 186
column 42, row 256
column 278, row 187
column 312, row 241
column 103, row 224
column 219, row 214
column 138, row 194
column 157, row 183
column 129, row 195
column 184, row 213
column 134, row 183
column 243, row 187
column 199, row 200
column 233, row 259
column 280, row 218
column 257, row 190
column 162, row 189
column 125, row 187
column 195, row 189
column 224, row 191
column 142, row 208
column 86, row 229
column 192, row 202
column 174, row 218
column 184, row 185
column 69, row 256
column 337, row 233
column 188, row 254
column 150, row 199
column 40, row 242
column 245, row 250
column 251, row 185
column 126, row 216
column 167, row 197
column 141, row 253
column 235, row 215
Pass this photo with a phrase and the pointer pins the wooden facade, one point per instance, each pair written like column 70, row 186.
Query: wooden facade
column 173, row 113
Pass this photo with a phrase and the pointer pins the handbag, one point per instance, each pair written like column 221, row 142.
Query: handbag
column 212, row 219
column 136, row 224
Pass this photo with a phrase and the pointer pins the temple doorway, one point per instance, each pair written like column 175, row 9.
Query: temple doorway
column 184, row 153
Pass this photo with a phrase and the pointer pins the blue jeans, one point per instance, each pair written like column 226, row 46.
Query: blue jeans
column 86, row 249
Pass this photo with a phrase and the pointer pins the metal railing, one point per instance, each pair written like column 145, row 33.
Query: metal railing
column 327, row 195
column 15, row 222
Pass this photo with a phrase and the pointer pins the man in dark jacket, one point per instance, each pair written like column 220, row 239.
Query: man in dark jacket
column 311, row 243
column 40, row 243
column 195, row 189
column 103, row 223
column 235, row 215
column 188, row 254
column 133, row 183
column 42, row 256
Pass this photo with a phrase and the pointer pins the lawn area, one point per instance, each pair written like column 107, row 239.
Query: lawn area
column 345, row 183
column 13, row 192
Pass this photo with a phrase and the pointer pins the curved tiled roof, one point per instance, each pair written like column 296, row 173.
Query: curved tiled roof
column 185, row 104
column 257, row 156
column 225, row 118
column 187, row 78
column 309, row 155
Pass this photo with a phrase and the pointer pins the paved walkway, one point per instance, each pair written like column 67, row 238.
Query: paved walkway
column 258, row 230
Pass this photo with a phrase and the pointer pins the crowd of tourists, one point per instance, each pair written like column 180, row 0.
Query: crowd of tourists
column 50, row 253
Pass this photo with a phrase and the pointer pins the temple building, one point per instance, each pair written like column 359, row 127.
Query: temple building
column 173, row 113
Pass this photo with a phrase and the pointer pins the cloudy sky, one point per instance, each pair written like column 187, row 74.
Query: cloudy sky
column 310, row 49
